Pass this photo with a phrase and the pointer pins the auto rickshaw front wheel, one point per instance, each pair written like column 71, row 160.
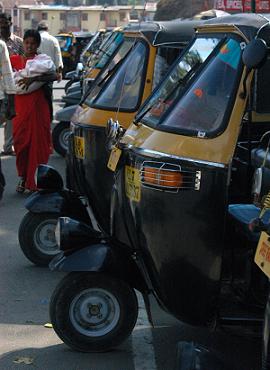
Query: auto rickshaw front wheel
column 93, row 312
column 37, row 237
column 60, row 135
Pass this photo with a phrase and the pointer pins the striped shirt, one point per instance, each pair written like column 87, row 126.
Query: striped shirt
column 14, row 44
column 7, row 84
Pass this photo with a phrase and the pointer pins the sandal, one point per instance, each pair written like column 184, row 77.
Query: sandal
column 20, row 188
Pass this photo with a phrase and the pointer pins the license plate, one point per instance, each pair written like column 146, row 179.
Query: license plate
column 79, row 147
column 132, row 183
column 114, row 158
column 262, row 256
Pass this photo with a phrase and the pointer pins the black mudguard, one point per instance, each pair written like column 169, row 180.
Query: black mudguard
column 102, row 257
column 64, row 202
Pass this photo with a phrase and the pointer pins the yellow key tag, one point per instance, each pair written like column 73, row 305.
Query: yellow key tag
column 262, row 256
column 114, row 158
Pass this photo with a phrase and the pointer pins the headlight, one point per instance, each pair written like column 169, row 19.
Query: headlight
column 48, row 178
column 71, row 234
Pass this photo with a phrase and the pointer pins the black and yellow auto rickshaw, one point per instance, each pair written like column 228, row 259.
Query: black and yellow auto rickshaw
column 119, row 90
column 90, row 49
column 98, row 61
column 71, row 45
column 178, row 168
column 93, row 45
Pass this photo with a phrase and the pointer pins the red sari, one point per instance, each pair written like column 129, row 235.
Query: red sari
column 31, row 130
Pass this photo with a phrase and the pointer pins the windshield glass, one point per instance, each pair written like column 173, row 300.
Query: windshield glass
column 92, row 45
column 106, row 73
column 107, row 49
column 123, row 89
column 178, row 77
column 203, row 105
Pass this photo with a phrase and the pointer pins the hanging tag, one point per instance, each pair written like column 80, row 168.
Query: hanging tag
column 114, row 158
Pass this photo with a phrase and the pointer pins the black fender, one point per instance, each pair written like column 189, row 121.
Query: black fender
column 73, row 98
column 64, row 203
column 65, row 114
column 102, row 257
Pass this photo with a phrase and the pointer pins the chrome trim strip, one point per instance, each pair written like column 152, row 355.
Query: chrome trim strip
column 156, row 154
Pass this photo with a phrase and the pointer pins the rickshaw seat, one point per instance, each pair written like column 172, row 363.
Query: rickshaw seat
column 242, row 214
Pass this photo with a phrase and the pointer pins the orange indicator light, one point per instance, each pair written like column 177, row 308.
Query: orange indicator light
column 164, row 178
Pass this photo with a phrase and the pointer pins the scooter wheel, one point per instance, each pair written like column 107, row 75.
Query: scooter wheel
column 93, row 312
column 60, row 135
column 36, row 237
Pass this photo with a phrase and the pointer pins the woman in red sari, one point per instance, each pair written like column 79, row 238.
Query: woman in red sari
column 31, row 126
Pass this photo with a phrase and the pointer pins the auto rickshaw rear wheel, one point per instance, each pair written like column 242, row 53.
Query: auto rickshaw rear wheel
column 36, row 237
column 93, row 312
column 60, row 136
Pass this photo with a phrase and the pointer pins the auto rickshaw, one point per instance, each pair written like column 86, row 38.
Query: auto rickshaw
column 93, row 45
column 97, row 61
column 71, row 45
column 174, row 231
column 262, row 260
column 119, row 90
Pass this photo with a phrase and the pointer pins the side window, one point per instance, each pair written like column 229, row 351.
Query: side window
column 123, row 89
column 110, row 49
column 164, row 59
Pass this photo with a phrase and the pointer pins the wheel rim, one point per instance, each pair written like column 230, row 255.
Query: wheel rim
column 94, row 312
column 44, row 237
column 63, row 138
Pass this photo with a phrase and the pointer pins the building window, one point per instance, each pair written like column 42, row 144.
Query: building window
column 62, row 16
column 122, row 16
column 15, row 12
column 44, row 16
column 73, row 19
column 102, row 16
column 84, row 17
column 27, row 16
column 134, row 15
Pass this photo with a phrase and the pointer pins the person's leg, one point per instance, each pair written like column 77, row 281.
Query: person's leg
column 8, row 138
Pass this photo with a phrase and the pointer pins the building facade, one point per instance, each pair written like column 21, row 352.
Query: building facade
column 81, row 18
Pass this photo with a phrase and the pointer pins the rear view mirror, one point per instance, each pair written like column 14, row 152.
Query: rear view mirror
column 254, row 54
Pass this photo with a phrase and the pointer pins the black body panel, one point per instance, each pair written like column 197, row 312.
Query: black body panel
column 180, row 236
column 90, row 176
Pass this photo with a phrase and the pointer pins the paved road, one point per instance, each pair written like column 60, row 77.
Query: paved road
column 24, row 297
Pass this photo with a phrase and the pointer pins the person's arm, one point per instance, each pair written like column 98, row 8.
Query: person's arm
column 8, row 82
column 27, row 81
column 58, row 60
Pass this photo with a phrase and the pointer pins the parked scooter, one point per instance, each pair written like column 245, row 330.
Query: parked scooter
column 86, row 155
column 174, row 232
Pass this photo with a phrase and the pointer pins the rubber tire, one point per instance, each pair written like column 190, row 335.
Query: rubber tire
column 27, row 227
column 56, row 135
column 65, row 292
